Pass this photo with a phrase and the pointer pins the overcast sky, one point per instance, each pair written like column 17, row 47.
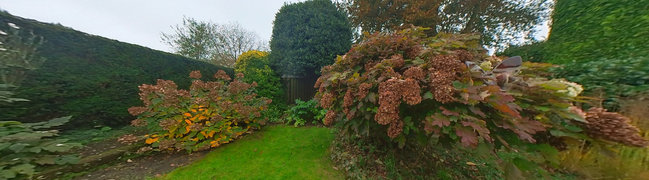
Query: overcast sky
column 141, row 21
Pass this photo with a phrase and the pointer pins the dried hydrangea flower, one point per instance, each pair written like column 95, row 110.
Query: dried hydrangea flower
column 326, row 101
column 363, row 89
column 395, row 129
column 136, row 110
column 410, row 90
column 195, row 74
column 614, row 127
column 415, row 73
column 221, row 75
column 329, row 117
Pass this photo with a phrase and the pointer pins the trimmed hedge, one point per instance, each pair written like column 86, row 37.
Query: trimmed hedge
column 92, row 78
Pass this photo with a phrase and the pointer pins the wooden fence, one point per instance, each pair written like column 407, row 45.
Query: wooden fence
column 298, row 87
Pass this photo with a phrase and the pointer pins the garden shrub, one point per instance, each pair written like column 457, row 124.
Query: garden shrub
column 303, row 112
column 26, row 147
column 610, row 79
column 256, row 66
column 207, row 115
column 405, row 86
column 308, row 35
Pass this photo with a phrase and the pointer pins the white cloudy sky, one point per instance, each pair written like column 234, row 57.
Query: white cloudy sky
column 142, row 21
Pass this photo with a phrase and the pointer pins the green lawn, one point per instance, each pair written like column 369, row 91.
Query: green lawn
column 276, row 152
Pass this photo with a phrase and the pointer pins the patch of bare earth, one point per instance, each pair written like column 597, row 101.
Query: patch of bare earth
column 145, row 166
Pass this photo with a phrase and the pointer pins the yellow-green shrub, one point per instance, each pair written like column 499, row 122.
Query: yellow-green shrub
column 209, row 114
column 255, row 65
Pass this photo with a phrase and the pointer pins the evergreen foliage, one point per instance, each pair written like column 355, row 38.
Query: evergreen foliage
column 598, row 29
column 256, row 66
column 90, row 77
column 308, row 35
column 601, row 44
column 593, row 31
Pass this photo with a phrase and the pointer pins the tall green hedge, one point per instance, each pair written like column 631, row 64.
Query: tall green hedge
column 585, row 31
column 601, row 44
column 594, row 30
column 308, row 35
column 92, row 78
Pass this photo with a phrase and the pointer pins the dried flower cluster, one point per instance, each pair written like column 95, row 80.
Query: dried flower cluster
column 443, row 71
column 127, row 139
column 208, row 115
column 612, row 126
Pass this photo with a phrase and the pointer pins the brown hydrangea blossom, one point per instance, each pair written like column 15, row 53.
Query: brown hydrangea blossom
column 167, row 143
column 327, row 100
column 195, row 74
column 318, row 82
column 348, row 99
column 370, row 66
column 138, row 123
column 144, row 149
column 222, row 75
column 197, row 84
column 614, row 127
column 127, row 139
column 415, row 73
column 196, row 127
column 363, row 89
column 136, row 110
column 167, row 124
column 443, row 71
column 396, row 61
column 183, row 93
column 464, row 55
column 237, row 87
column 329, row 117
column 395, row 129
column 410, row 90
column 389, row 73
column 389, row 100
column 239, row 75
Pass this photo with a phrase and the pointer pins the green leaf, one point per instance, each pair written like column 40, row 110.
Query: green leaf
column 4, row 145
column 26, row 169
column 18, row 147
column 428, row 95
column 459, row 85
column 47, row 159
column 7, row 174
column 67, row 159
column 53, row 123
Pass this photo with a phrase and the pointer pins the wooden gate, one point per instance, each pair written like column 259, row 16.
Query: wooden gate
column 298, row 87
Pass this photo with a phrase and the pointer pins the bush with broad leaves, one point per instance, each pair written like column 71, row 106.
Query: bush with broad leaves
column 26, row 147
column 209, row 114
column 406, row 86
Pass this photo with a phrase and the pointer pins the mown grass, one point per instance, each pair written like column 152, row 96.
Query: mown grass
column 276, row 152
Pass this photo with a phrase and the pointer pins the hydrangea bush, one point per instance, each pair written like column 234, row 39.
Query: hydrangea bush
column 406, row 85
column 207, row 115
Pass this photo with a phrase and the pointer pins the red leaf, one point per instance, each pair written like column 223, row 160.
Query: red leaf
column 479, row 125
column 477, row 111
column 525, row 129
column 448, row 112
column 469, row 138
column 440, row 121
column 504, row 108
